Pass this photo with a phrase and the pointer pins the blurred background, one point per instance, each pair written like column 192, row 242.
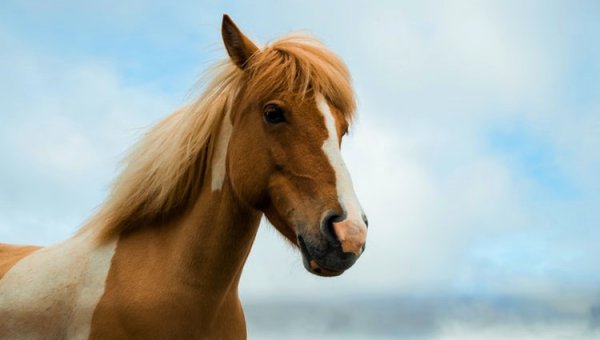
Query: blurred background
column 475, row 154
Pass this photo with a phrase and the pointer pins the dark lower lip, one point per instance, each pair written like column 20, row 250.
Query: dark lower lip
column 312, row 265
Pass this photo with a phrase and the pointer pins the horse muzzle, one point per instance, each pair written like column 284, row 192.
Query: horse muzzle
column 336, row 248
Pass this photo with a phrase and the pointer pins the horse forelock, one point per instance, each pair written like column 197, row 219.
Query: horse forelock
column 302, row 65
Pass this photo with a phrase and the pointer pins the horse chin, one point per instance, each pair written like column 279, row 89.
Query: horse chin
column 312, row 265
column 314, row 268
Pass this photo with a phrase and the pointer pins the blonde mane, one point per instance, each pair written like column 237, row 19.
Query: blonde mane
column 168, row 167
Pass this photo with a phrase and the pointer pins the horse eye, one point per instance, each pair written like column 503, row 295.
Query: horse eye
column 273, row 114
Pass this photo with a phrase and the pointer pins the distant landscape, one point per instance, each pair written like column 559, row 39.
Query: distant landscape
column 420, row 318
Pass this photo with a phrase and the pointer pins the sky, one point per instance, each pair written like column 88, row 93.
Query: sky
column 475, row 154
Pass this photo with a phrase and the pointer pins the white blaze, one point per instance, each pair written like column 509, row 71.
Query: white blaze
column 53, row 292
column 331, row 147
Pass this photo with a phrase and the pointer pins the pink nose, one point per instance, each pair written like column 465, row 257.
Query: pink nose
column 352, row 235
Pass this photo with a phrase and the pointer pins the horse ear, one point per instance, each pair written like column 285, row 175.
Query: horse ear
column 238, row 46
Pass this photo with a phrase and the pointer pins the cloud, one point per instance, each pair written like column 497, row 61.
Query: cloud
column 63, row 128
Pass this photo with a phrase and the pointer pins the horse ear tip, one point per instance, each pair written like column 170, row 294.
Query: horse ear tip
column 228, row 25
column 227, row 19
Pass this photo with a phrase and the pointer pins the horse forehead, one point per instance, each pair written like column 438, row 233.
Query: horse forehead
column 333, row 120
column 317, row 112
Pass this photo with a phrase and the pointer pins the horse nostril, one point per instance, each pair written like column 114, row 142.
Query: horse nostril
column 328, row 231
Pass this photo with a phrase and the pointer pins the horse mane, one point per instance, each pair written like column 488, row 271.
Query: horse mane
column 167, row 168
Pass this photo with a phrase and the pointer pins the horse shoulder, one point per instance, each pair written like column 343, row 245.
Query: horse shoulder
column 11, row 254
column 53, row 292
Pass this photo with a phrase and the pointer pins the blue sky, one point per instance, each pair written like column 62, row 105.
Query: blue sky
column 475, row 154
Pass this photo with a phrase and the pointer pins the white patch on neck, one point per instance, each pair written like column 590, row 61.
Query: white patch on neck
column 219, row 162
column 53, row 292
column 331, row 147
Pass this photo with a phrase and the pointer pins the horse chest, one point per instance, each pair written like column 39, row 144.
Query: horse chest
column 138, row 312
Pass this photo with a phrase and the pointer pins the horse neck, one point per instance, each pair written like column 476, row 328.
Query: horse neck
column 214, row 239
column 202, row 252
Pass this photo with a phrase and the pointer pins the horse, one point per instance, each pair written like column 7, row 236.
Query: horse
column 162, row 257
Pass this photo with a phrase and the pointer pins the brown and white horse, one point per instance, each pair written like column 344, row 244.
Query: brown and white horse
column 163, row 256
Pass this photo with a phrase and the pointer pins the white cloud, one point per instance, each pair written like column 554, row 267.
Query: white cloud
column 515, row 330
column 65, row 124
